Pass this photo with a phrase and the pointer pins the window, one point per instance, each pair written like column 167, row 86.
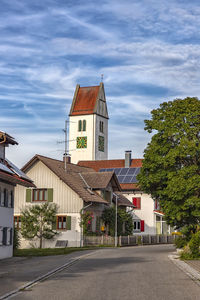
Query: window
column 4, row 201
column 40, row 195
column 64, row 222
column 84, row 125
column 10, row 199
column 138, row 225
column 17, row 222
column 137, row 202
column 79, row 125
column 9, row 237
column 156, row 205
column 101, row 126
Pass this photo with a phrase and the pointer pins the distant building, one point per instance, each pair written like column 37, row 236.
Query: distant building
column 10, row 175
column 147, row 217
column 88, row 123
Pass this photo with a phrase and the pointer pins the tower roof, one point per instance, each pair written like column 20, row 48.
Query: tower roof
column 86, row 101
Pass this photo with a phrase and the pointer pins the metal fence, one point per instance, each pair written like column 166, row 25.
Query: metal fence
column 130, row 240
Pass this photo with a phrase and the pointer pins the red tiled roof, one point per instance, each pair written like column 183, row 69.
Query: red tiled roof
column 85, row 100
column 113, row 163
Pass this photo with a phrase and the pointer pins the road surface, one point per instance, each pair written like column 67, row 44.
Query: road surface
column 139, row 273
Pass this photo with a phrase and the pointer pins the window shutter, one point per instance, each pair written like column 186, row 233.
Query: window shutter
column 4, row 235
column 84, row 125
column 142, row 225
column 11, row 236
column 68, row 222
column 28, row 195
column 79, row 125
column 135, row 202
column 12, row 198
column 5, row 197
column 50, row 195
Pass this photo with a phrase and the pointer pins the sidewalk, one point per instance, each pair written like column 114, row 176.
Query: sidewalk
column 195, row 264
column 15, row 272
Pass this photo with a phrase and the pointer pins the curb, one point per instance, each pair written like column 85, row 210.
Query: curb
column 42, row 277
column 189, row 271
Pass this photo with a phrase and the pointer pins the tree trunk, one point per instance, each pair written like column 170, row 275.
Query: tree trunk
column 40, row 242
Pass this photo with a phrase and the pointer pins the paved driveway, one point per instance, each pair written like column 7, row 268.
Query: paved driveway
column 139, row 273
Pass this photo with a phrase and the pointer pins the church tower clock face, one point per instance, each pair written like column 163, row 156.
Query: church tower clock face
column 81, row 142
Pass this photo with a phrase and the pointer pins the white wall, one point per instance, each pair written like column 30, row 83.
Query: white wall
column 146, row 212
column 6, row 220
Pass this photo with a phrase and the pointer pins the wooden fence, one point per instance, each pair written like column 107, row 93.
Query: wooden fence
column 130, row 240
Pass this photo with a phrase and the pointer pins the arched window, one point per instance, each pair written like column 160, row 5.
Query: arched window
column 84, row 125
column 79, row 125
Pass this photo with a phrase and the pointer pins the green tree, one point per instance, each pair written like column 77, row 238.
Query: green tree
column 124, row 219
column 171, row 165
column 38, row 220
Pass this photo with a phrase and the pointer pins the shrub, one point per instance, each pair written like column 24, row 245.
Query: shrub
column 180, row 242
column 194, row 244
column 16, row 239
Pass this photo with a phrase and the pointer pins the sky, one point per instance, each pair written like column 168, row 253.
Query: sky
column 147, row 50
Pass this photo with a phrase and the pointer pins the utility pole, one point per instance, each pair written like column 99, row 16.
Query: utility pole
column 66, row 152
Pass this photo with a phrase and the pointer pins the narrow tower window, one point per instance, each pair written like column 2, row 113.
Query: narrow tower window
column 84, row 125
column 79, row 125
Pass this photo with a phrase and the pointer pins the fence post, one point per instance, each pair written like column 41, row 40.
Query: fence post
column 149, row 239
column 128, row 240
column 102, row 239
column 141, row 239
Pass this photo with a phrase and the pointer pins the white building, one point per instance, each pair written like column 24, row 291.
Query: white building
column 10, row 175
column 74, row 190
column 88, row 124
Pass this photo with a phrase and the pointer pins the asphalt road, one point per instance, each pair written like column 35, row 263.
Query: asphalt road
column 139, row 273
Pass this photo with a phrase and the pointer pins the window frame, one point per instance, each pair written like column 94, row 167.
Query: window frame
column 17, row 222
column 84, row 125
column 38, row 195
column 1, row 235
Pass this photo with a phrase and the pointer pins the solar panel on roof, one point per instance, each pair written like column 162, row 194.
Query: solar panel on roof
column 134, row 179
column 127, row 179
column 4, row 168
column 123, row 171
column 120, row 178
column 117, row 171
column 131, row 171
column 137, row 171
column 17, row 171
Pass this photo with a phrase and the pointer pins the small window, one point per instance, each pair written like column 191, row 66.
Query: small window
column 156, row 205
column 5, row 198
column 136, row 202
column 10, row 199
column 61, row 222
column 138, row 225
column 17, row 222
column 40, row 195
column 84, row 125
column 79, row 125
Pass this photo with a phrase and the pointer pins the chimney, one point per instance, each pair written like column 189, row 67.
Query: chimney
column 67, row 158
column 128, row 159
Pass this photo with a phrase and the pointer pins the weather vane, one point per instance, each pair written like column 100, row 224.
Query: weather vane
column 101, row 77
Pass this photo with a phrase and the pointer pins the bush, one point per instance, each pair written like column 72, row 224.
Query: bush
column 180, row 242
column 16, row 239
column 194, row 244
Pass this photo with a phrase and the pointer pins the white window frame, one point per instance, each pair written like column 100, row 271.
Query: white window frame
column 138, row 228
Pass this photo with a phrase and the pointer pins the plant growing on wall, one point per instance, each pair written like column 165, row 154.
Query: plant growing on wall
column 86, row 221
column 37, row 221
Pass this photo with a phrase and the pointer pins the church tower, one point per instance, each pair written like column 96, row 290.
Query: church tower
column 88, row 124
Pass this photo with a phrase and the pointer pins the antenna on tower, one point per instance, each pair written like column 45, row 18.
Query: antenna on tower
column 66, row 153
column 101, row 77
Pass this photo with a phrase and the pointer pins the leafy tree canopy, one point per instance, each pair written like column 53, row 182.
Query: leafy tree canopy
column 38, row 220
column 171, row 165
column 124, row 219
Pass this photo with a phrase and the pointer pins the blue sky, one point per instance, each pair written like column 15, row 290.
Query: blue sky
column 148, row 51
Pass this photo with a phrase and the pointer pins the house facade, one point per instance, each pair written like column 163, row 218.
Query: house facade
column 74, row 189
column 147, row 217
column 10, row 175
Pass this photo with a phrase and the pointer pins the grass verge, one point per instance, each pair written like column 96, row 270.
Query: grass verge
column 48, row 251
